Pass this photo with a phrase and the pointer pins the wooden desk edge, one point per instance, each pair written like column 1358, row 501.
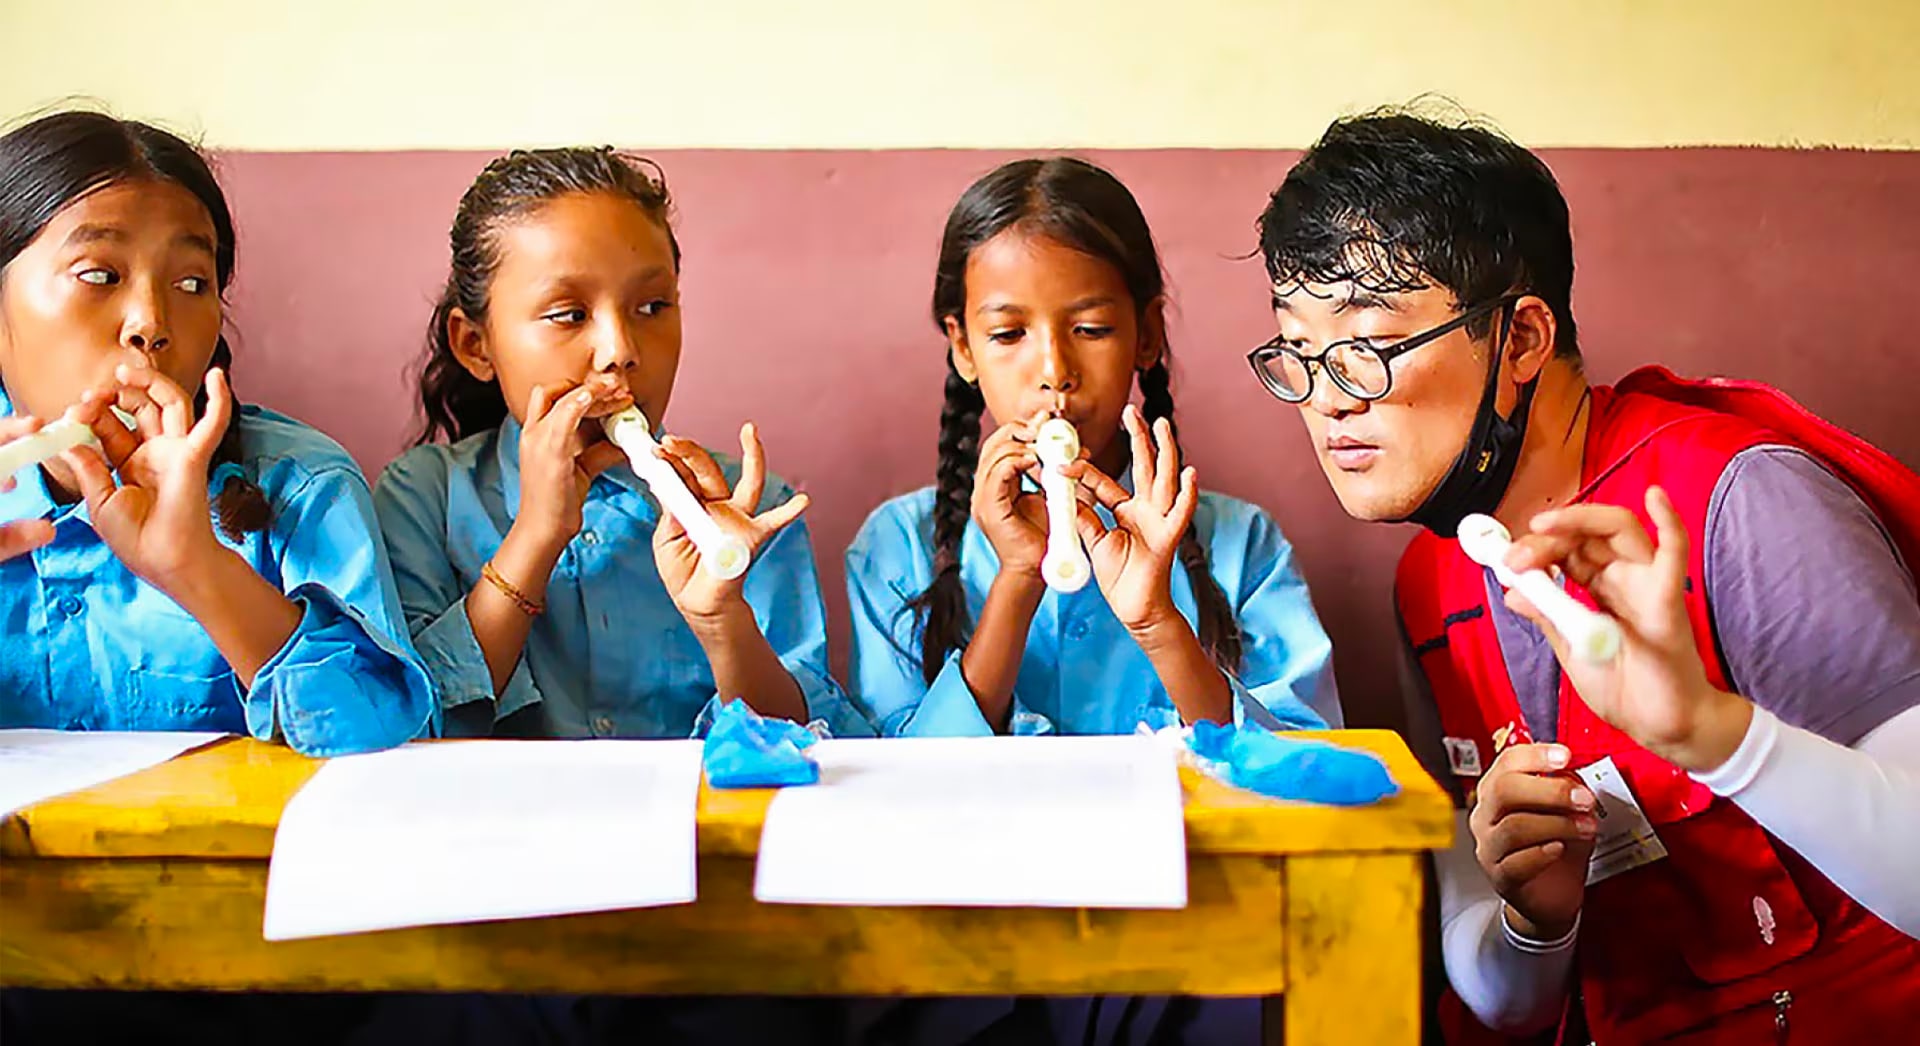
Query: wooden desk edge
column 144, row 815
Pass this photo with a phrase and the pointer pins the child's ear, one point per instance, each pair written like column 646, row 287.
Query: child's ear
column 960, row 352
column 468, row 340
column 1153, row 335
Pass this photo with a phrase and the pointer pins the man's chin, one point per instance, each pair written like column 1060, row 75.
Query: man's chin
column 1366, row 502
column 1370, row 513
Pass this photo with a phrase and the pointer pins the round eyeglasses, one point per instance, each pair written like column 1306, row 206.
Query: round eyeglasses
column 1359, row 367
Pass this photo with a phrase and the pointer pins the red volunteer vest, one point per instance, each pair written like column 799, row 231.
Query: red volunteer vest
column 1733, row 937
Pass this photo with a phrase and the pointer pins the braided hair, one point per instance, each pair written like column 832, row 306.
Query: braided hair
column 1084, row 207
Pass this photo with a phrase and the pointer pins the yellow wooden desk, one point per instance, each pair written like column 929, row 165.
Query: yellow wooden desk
column 158, row 881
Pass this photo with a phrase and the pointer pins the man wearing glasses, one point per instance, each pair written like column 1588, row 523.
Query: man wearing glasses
column 1717, row 833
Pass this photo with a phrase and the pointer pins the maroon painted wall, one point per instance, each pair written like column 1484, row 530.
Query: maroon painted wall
column 806, row 286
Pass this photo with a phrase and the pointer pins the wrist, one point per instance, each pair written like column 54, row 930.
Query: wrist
column 1024, row 586
column 1717, row 727
column 1158, row 621
column 719, row 624
column 200, row 577
column 1537, row 938
column 186, row 576
column 532, row 549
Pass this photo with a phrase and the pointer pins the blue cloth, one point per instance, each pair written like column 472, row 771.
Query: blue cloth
column 86, row 645
column 1290, row 768
column 611, row 657
column 1082, row 673
column 744, row 750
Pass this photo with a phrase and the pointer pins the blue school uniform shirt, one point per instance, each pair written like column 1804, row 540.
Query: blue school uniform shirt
column 611, row 657
column 1082, row 673
column 87, row 645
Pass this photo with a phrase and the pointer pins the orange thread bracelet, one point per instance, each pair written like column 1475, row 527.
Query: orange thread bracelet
column 527, row 606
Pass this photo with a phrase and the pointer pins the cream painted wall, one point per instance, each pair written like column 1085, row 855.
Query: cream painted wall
column 409, row 74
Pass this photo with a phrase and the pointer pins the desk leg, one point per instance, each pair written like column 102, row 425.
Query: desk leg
column 1353, row 951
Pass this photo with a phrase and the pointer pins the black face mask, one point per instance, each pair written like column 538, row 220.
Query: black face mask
column 1479, row 476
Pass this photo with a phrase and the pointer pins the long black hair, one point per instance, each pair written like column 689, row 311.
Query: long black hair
column 55, row 160
column 1081, row 206
column 456, row 403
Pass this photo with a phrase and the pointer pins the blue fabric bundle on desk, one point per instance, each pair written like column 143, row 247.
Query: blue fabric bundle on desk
column 745, row 751
column 1253, row 758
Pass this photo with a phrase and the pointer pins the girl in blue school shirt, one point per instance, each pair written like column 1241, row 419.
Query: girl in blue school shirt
column 209, row 566
column 546, row 591
column 1050, row 294
column 1052, row 300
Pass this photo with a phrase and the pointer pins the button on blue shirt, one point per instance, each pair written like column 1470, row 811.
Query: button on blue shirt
column 611, row 657
column 86, row 645
column 1082, row 672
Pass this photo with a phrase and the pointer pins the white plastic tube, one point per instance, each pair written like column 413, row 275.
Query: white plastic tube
column 51, row 441
column 1591, row 636
column 1065, row 567
column 725, row 557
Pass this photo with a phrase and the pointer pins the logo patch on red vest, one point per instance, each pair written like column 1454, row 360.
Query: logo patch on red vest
column 1463, row 756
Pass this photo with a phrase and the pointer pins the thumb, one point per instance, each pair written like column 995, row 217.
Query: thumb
column 1088, row 524
column 94, row 480
column 776, row 518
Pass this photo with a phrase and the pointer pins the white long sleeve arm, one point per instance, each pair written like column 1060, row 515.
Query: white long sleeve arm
column 1849, row 811
column 1511, row 984
column 1854, row 813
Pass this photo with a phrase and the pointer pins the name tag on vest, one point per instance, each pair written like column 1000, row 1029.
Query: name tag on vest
column 1463, row 756
column 1627, row 839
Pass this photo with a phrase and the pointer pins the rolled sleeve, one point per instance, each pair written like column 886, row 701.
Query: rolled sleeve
column 336, row 687
column 348, row 679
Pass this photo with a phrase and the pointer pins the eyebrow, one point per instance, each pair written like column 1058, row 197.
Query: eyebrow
column 1092, row 301
column 85, row 234
column 570, row 279
column 1364, row 299
column 197, row 241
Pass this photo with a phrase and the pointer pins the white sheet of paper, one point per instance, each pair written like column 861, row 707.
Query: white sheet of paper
column 1058, row 822
column 41, row 764
column 470, row 831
